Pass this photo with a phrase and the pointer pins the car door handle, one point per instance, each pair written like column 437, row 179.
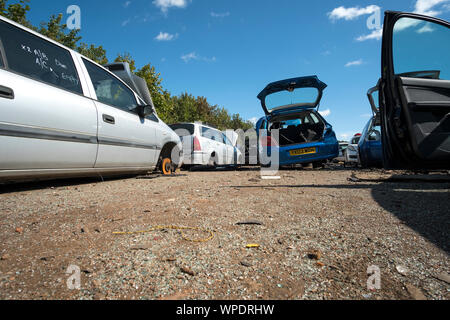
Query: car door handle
column 109, row 119
column 6, row 92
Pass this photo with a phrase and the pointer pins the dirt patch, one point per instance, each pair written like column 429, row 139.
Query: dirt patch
column 349, row 225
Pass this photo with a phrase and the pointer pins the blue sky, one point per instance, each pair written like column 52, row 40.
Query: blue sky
column 228, row 51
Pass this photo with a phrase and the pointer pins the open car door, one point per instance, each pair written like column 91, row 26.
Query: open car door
column 415, row 92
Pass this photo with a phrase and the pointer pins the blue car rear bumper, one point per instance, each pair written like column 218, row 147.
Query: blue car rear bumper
column 327, row 150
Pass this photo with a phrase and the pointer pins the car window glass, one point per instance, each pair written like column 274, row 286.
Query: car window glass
column 314, row 118
column 183, row 130
column 212, row 134
column 355, row 140
column 291, row 97
column 1, row 61
column 421, row 49
column 110, row 90
column 375, row 134
column 227, row 141
column 34, row 57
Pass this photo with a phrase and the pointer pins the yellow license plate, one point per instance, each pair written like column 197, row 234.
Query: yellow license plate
column 301, row 152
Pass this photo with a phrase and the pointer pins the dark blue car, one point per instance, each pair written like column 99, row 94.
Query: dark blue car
column 293, row 127
column 370, row 145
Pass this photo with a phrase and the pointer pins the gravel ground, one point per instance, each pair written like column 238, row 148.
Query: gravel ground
column 318, row 232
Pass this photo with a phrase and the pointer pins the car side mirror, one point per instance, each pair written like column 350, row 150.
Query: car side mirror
column 144, row 111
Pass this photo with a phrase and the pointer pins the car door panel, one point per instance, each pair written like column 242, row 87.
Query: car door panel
column 125, row 138
column 125, row 143
column 44, row 127
column 415, row 105
column 427, row 114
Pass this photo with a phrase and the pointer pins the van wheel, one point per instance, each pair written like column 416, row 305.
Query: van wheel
column 167, row 166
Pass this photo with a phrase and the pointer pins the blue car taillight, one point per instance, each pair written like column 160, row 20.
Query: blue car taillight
column 328, row 132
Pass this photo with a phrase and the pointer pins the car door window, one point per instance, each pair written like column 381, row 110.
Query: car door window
column 37, row 58
column 212, row 134
column 227, row 141
column 421, row 49
column 375, row 134
column 109, row 89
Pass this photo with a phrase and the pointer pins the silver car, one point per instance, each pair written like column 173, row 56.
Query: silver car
column 63, row 115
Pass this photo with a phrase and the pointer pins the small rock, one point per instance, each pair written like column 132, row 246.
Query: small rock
column 96, row 283
column 402, row 270
column 246, row 264
column 415, row 293
column 187, row 271
column 314, row 255
column 19, row 230
column 5, row 257
column 367, row 296
column 320, row 264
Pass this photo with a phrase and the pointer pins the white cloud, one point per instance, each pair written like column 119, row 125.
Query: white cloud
column 426, row 7
column 325, row 113
column 164, row 36
column 190, row 56
column 354, row 63
column 124, row 23
column 194, row 56
column 367, row 115
column 375, row 35
column 127, row 4
column 220, row 15
column 425, row 29
column 165, row 5
column 253, row 120
column 351, row 13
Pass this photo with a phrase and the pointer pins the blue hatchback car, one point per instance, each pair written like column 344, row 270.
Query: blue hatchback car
column 293, row 126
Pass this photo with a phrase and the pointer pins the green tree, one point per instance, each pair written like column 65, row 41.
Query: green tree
column 126, row 57
column 58, row 31
column 97, row 54
column 16, row 11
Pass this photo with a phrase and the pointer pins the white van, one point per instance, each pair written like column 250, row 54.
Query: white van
column 63, row 115
column 206, row 146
